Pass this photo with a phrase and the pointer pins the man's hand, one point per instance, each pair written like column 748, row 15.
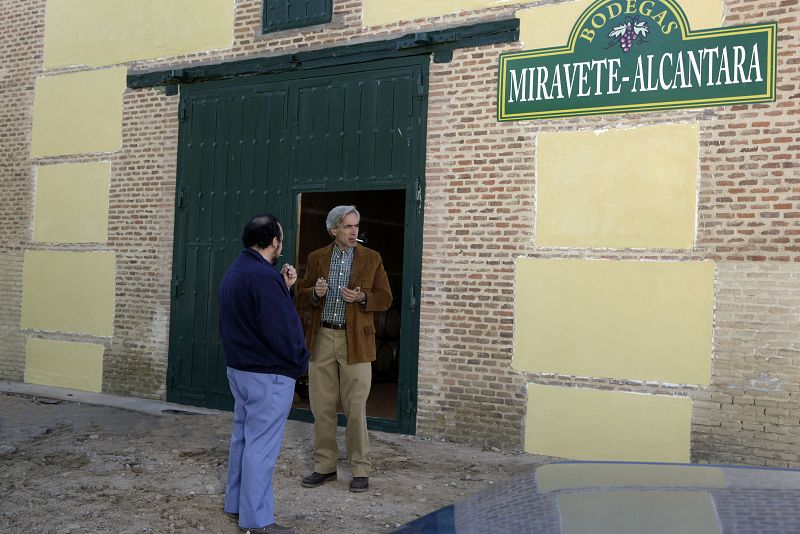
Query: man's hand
column 289, row 275
column 353, row 295
column 321, row 287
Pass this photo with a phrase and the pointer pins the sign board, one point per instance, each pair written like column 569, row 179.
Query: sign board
column 638, row 55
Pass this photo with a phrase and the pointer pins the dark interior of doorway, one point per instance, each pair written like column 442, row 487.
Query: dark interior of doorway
column 381, row 228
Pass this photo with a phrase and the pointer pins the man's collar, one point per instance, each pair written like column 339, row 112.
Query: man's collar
column 257, row 255
column 342, row 250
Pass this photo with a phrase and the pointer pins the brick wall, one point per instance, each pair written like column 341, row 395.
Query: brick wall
column 141, row 225
column 750, row 413
column 479, row 217
column 21, row 48
column 750, row 156
column 749, row 221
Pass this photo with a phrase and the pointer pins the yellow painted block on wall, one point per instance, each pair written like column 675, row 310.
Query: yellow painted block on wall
column 69, row 292
column 72, row 203
column 78, row 113
column 632, row 188
column 588, row 424
column 64, row 364
column 550, row 24
column 104, row 32
column 703, row 14
column 653, row 512
column 381, row 12
column 561, row 476
column 615, row 319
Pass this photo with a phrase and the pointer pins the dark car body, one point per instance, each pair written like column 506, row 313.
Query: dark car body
column 623, row 497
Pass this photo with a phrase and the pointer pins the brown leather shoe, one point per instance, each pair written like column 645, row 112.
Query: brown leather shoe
column 359, row 484
column 317, row 479
column 274, row 528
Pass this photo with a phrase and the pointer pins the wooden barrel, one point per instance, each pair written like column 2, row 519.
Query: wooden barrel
column 385, row 365
column 387, row 324
column 379, row 321
column 391, row 323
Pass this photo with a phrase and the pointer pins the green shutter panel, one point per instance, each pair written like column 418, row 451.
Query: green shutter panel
column 232, row 162
column 287, row 14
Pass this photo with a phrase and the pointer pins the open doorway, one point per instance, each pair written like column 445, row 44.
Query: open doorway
column 382, row 228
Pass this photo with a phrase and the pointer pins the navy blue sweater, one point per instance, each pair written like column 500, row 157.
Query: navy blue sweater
column 258, row 324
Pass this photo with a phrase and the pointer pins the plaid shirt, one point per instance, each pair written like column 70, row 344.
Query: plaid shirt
column 338, row 277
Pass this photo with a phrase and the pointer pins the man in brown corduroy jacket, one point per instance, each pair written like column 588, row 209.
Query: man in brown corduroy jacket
column 343, row 285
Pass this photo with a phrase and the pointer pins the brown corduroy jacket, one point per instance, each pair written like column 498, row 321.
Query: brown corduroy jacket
column 367, row 272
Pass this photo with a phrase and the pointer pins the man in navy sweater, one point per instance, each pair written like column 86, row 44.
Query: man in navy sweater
column 265, row 353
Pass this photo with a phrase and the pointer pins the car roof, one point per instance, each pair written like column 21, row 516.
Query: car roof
column 623, row 497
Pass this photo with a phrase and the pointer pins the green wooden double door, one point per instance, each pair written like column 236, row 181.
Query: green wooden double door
column 259, row 144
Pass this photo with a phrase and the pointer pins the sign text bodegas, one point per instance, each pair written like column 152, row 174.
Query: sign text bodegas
column 638, row 55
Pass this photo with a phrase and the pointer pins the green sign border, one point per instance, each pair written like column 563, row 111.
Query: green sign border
column 771, row 29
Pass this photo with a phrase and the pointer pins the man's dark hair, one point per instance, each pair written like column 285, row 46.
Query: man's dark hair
column 260, row 230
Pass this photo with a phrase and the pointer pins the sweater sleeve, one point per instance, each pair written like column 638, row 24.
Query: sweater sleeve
column 280, row 324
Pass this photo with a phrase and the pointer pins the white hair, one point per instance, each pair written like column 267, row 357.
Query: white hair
column 338, row 213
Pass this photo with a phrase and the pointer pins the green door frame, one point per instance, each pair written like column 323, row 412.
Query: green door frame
column 414, row 187
column 405, row 421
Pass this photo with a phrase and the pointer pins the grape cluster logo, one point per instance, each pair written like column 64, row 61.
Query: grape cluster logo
column 633, row 31
column 636, row 56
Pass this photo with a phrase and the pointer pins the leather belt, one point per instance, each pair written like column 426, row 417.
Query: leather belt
column 333, row 326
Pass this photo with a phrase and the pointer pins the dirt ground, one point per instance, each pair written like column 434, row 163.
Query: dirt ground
column 77, row 468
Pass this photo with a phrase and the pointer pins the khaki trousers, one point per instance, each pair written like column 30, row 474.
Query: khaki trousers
column 331, row 378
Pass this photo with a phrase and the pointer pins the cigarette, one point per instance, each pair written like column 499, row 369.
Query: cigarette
column 359, row 240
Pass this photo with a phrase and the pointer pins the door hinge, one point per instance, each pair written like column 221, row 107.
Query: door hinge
column 411, row 407
column 176, row 288
column 420, row 89
column 171, row 377
column 412, row 299
column 418, row 194
column 183, row 110
column 180, row 202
